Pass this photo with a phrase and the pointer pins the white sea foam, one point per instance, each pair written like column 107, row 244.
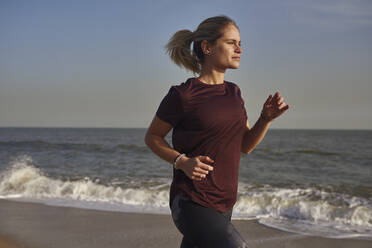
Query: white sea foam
column 23, row 180
column 308, row 211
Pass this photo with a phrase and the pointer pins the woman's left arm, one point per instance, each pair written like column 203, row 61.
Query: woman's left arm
column 273, row 108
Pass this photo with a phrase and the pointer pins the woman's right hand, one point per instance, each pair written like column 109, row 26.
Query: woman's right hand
column 195, row 168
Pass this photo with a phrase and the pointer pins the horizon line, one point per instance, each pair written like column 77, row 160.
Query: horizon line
column 87, row 127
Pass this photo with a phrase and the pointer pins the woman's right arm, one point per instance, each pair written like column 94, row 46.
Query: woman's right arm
column 195, row 168
column 154, row 139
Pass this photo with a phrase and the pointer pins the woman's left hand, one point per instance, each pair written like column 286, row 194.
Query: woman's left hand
column 273, row 107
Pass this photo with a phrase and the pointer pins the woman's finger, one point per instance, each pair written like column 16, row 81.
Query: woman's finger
column 285, row 108
column 205, row 159
column 200, row 170
column 268, row 100
column 205, row 166
column 198, row 174
column 276, row 95
column 204, row 162
column 196, row 178
column 280, row 101
column 282, row 105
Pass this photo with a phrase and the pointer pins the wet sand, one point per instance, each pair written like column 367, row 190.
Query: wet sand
column 33, row 225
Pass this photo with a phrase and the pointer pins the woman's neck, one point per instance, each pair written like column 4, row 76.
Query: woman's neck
column 211, row 76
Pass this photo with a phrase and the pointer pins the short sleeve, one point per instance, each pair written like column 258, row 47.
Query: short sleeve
column 170, row 108
column 242, row 102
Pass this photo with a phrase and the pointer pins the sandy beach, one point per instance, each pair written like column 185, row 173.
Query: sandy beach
column 34, row 225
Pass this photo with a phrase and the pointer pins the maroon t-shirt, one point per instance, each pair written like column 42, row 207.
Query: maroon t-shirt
column 207, row 120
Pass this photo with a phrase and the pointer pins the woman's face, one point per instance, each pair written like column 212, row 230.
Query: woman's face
column 225, row 53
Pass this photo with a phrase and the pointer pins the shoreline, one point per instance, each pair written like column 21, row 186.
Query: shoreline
column 35, row 225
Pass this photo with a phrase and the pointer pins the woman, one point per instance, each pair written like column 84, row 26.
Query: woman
column 210, row 130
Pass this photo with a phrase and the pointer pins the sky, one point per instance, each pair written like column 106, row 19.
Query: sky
column 103, row 63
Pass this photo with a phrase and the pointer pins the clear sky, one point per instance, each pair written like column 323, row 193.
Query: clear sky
column 103, row 63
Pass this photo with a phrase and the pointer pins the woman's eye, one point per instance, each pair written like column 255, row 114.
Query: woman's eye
column 233, row 43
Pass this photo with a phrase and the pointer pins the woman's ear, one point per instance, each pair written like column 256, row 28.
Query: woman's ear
column 205, row 46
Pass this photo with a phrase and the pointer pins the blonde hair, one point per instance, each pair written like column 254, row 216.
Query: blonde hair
column 179, row 45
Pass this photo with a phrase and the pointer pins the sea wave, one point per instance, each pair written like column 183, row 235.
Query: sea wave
column 306, row 210
column 275, row 152
column 85, row 147
column 24, row 180
column 94, row 147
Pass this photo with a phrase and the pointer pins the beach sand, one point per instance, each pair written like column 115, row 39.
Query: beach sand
column 33, row 225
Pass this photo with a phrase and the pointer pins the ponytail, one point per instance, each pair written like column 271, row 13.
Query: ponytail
column 179, row 50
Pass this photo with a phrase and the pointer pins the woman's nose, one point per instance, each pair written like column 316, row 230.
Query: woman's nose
column 238, row 49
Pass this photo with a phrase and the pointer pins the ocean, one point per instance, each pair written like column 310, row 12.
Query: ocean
column 316, row 182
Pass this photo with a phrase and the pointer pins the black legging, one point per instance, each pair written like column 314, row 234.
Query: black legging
column 204, row 227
